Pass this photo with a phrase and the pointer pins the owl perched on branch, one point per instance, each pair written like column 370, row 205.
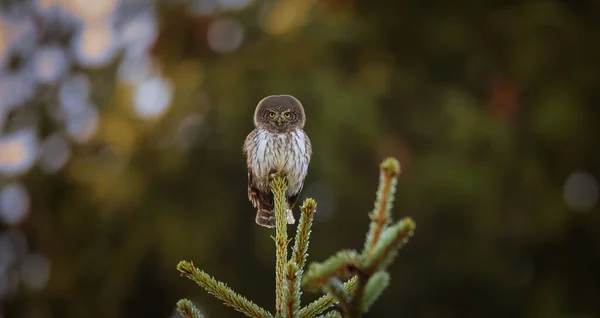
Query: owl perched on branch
column 278, row 144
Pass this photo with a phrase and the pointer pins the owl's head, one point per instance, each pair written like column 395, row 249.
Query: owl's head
column 279, row 113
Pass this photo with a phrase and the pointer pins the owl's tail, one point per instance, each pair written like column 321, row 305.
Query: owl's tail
column 266, row 218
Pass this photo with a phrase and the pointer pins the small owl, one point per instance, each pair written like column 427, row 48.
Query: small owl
column 278, row 144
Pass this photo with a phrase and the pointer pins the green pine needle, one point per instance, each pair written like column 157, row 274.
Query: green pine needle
column 326, row 301
column 331, row 314
column 221, row 291
column 335, row 288
column 292, row 292
column 392, row 239
column 187, row 309
column 279, row 188
column 303, row 232
column 344, row 264
column 375, row 287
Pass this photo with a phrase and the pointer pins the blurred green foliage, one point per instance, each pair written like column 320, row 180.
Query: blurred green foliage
column 489, row 106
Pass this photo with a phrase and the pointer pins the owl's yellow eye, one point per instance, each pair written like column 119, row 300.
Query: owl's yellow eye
column 287, row 115
column 272, row 114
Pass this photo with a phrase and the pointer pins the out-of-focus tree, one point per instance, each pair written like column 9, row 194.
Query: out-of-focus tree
column 121, row 123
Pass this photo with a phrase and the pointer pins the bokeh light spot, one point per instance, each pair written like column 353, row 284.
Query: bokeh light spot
column 91, row 10
column 15, row 89
column 152, row 97
column 581, row 191
column 138, row 34
column 82, row 125
column 95, row 45
column 18, row 152
column 14, row 203
column 73, row 93
column 3, row 45
column 35, row 271
column 49, row 63
column 20, row 34
column 133, row 70
column 225, row 35
column 46, row 4
column 55, row 152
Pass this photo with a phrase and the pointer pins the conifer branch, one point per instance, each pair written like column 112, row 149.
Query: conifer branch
column 326, row 301
column 381, row 246
column 344, row 264
column 375, row 287
column 279, row 188
column 221, row 291
column 354, row 309
column 301, row 241
column 380, row 217
column 365, row 272
column 187, row 309
column 292, row 292
column 392, row 239
column 335, row 288
column 331, row 314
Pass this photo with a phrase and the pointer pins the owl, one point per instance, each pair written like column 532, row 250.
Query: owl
column 278, row 144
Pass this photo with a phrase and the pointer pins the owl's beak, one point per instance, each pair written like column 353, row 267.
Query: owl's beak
column 279, row 121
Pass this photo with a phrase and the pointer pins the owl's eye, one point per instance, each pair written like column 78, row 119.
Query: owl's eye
column 287, row 115
column 272, row 114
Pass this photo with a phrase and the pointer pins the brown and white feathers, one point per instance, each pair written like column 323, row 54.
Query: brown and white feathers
column 278, row 144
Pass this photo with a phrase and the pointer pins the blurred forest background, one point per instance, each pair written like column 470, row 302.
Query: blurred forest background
column 122, row 121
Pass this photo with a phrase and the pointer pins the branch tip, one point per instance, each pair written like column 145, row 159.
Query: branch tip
column 303, row 232
column 187, row 309
column 390, row 167
column 186, row 268
column 374, row 288
column 381, row 216
column 309, row 205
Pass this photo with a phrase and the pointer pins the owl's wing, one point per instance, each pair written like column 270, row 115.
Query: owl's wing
column 249, row 145
column 253, row 193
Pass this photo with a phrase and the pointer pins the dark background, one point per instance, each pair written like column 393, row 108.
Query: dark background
column 490, row 106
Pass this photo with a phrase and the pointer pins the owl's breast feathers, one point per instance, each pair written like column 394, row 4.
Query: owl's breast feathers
column 288, row 153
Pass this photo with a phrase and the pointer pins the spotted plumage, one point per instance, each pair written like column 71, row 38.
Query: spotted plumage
column 277, row 144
